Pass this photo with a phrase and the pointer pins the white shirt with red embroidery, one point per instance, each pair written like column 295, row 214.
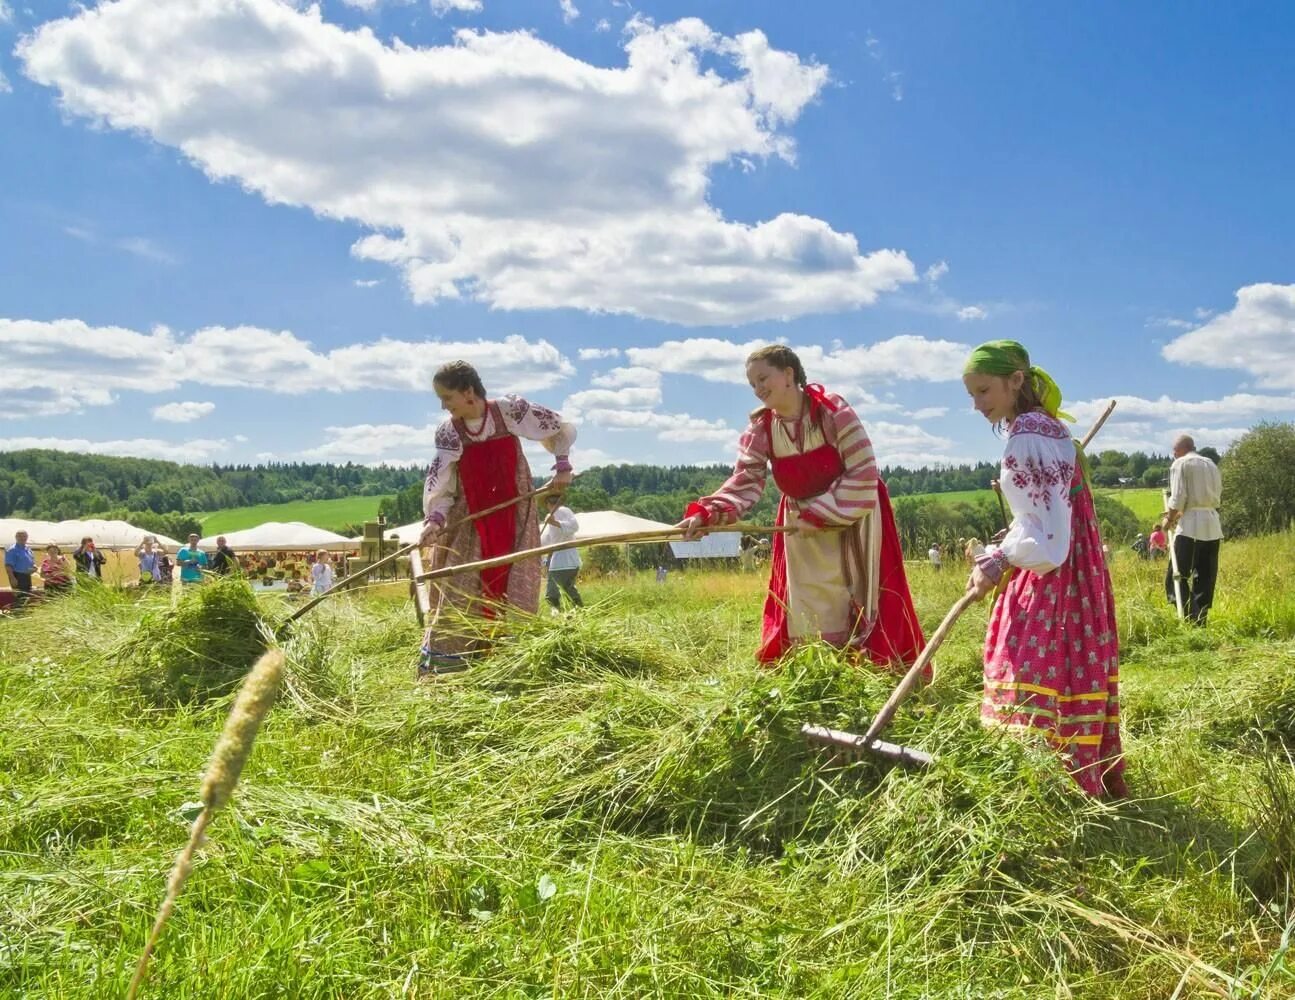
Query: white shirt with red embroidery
column 1038, row 466
column 522, row 418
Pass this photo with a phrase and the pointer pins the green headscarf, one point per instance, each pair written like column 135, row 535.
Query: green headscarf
column 1003, row 357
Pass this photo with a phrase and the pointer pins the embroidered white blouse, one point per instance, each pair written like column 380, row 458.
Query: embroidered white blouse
column 522, row 419
column 1038, row 467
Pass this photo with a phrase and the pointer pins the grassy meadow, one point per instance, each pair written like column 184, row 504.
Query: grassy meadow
column 327, row 514
column 617, row 803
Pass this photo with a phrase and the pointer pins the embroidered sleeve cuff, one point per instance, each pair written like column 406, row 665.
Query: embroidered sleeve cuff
column 717, row 512
column 992, row 563
column 562, row 464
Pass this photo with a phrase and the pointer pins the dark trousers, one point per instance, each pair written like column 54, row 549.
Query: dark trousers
column 566, row 580
column 21, row 592
column 1198, row 568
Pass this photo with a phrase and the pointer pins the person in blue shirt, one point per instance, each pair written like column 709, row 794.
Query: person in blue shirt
column 19, row 564
column 192, row 561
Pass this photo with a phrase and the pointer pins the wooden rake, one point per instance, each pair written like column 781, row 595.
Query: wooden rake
column 850, row 746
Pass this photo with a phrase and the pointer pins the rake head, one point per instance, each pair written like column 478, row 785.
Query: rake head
column 851, row 747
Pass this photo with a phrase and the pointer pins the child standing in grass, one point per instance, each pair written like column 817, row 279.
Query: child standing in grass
column 478, row 465
column 1051, row 654
column 840, row 577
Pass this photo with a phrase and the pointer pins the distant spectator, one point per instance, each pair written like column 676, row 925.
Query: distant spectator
column 560, row 525
column 89, row 560
column 150, row 561
column 225, row 560
column 55, row 571
column 321, row 574
column 933, row 553
column 1140, row 546
column 661, row 572
column 1157, row 544
column 19, row 564
column 1194, row 492
column 192, row 561
column 165, row 567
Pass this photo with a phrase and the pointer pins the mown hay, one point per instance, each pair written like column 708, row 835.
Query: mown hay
column 199, row 649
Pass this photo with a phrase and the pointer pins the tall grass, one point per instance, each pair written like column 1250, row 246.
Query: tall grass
column 616, row 802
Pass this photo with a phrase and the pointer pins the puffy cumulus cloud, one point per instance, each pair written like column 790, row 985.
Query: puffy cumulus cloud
column 677, row 427
column 597, row 353
column 496, row 168
column 1166, row 411
column 194, row 452
column 929, row 412
column 182, row 413
column 442, row 7
column 619, row 378
column 372, row 443
column 1256, row 336
column 569, row 10
column 966, row 313
column 905, row 444
column 629, row 398
column 903, row 357
column 65, row 365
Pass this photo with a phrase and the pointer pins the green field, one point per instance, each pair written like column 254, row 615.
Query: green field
column 617, row 803
column 1144, row 502
column 328, row 514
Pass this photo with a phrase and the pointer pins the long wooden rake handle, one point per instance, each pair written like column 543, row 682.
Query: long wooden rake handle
column 905, row 686
column 1092, row 431
column 624, row 538
column 405, row 550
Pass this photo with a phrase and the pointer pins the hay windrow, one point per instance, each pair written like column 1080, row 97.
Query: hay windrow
column 196, row 651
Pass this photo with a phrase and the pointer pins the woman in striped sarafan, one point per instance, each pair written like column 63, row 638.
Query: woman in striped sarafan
column 840, row 576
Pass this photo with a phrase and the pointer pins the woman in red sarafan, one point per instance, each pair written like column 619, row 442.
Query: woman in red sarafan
column 840, row 576
column 1051, row 653
column 479, row 464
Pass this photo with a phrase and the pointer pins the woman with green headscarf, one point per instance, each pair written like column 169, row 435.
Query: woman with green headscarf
column 1051, row 653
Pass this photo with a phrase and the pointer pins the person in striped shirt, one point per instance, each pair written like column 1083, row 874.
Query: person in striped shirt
column 840, row 576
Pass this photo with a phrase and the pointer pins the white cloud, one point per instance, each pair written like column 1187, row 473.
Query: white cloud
column 65, row 365
column 1169, row 323
column 5, row 86
column 603, row 25
column 971, row 312
column 182, row 413
column 903, row 357
column 935, row 272
column 367, row 282
column 569, row 10
column 678, row 427
column 496, row 168
column 905, row 444
column 372, row 442
column 628, row 398
column 929, row 412
column 595, row 353
column 619, row 378
column 1200, row 312
column 1256, row 336
column 442, row 7
column 1164, row 410
column 194, row 452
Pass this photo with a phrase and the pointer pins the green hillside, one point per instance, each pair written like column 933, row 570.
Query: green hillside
column 328, row 514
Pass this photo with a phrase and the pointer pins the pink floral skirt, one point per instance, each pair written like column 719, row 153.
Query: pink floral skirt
column 1052, row 658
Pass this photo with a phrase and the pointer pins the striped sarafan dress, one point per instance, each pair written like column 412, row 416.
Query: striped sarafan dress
column 845, row 584
column 1051, row 652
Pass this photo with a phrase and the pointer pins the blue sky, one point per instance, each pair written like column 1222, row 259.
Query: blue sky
column 250, row 230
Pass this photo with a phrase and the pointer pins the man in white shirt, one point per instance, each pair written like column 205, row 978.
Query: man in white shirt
column 1195, row 487
column 560, row 525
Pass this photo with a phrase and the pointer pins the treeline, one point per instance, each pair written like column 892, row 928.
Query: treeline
column 55, row 485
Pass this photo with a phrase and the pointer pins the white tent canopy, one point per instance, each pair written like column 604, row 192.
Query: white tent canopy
column 38, row 532
column 611, row 522
column 277, row 536
column 106, row 534
column 721, row 546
